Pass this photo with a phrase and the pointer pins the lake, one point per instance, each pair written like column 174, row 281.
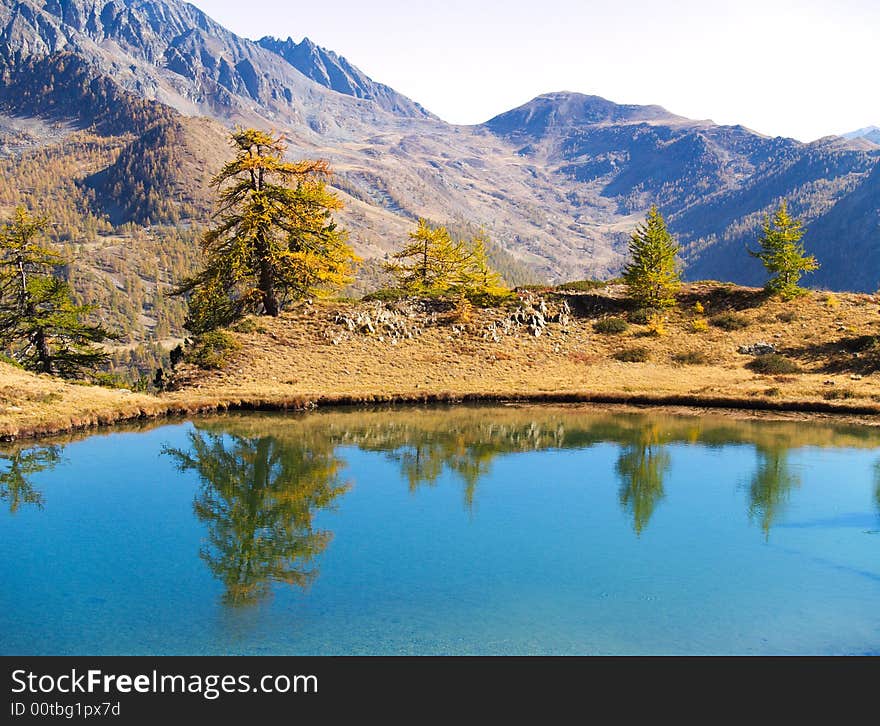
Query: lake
column 468, row 530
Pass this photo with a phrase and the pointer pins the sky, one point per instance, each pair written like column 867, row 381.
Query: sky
column 798, row 68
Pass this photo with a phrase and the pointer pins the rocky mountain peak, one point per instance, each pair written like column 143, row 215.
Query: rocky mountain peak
column 550, row 112
column 336, row 73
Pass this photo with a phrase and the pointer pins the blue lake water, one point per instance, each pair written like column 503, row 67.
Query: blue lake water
column 482, row 530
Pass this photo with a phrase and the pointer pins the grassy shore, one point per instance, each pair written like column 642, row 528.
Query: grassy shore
column 310, row 356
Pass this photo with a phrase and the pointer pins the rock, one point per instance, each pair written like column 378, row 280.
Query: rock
column 759, row 348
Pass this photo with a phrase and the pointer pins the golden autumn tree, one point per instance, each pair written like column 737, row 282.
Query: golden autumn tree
column 435, row 262
column 476, row 273
column 429, row 262
column 275, row 239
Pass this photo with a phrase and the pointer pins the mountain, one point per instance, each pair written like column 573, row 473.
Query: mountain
column 335, row 72
column 132, row 100
column 869, row 133
column 713, row 183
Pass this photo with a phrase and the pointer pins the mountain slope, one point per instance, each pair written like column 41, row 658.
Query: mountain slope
column 559, row 183
column 713, row 183
column 869, row 133
column 335, row 72
column 170, row 51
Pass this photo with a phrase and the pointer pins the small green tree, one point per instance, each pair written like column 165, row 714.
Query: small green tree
column 40, row 324
column 783, row 254
column 652, row 273
column 430, row 263
column 275, row 238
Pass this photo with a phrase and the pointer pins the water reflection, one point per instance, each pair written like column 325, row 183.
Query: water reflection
column 258, row 496
column 262, row 479
column 771, row 486
column 19, row 465
column 877, row 487
column 641, row 467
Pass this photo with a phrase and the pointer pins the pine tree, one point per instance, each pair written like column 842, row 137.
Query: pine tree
column 652, row 273
column 783, row 254
column 40, row 324
column 275, row 239
column 431, row 262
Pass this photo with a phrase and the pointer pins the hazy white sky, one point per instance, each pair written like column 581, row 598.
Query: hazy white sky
column 800, row 68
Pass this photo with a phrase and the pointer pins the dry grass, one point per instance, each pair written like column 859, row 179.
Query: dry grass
column 290, row 362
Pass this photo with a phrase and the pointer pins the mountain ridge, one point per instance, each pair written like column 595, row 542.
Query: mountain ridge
column 559, row 182
column 335, row 72
column 869, row 133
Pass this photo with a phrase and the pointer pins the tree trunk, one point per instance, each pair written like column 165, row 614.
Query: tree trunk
column 267, row 288
column 44, row 355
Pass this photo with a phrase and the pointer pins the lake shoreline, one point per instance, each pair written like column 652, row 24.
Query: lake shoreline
column 169, row 410
column 552, row 347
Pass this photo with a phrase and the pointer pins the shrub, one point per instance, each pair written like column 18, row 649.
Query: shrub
column 691, row 358
column 213, row 349
column 730, row 321
column 463, row 312
column 773, row 364
column 110, row 380
column 836, row 394
column 639, row 316
column 700, row 325
column 831, row 300
column 638, row 354
column 494, row 298
column 698, row 308
column 656, row 326
column 248, row 325
column 611, row 326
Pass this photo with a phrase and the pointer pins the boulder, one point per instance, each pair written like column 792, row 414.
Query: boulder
column 759, row 348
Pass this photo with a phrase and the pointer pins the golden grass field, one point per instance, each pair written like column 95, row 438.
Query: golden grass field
column 293, row 362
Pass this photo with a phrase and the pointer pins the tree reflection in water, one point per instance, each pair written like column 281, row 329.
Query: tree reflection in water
column 20, row 464
column 258, row 497
column 263, row 479
column 641, row 467
column 770, row 487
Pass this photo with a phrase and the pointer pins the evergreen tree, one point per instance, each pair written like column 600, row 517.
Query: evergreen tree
column 652, row 274
column 275, row 237
column 40, row 323
column 782, row 253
